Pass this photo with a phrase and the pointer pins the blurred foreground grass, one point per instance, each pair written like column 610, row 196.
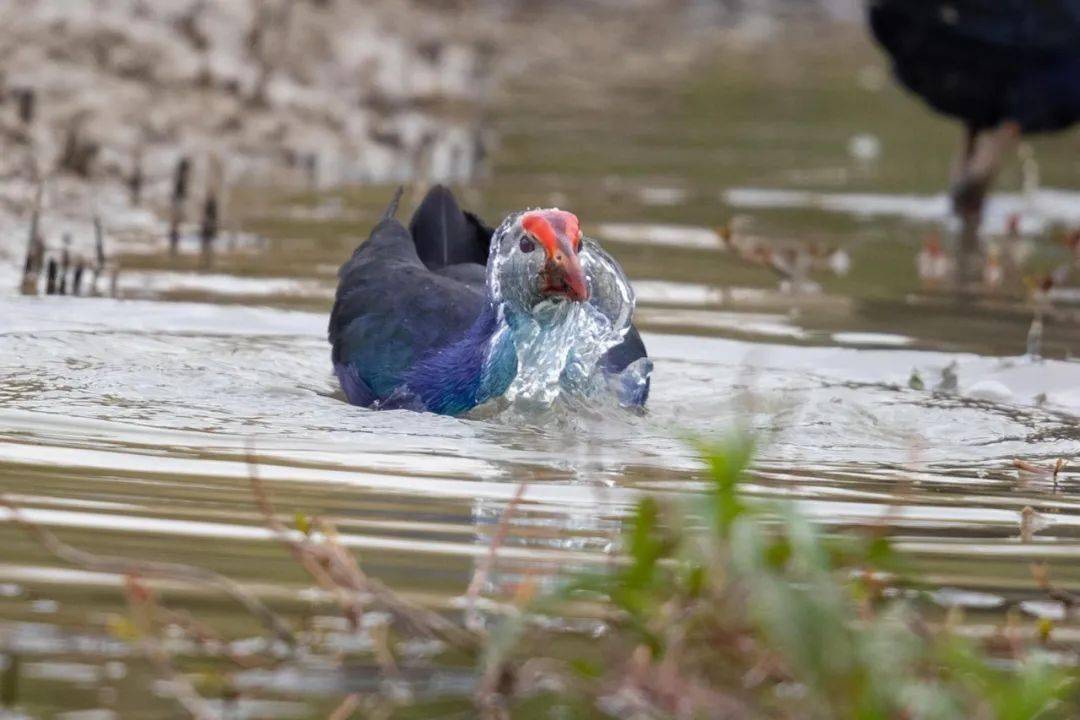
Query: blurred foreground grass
column 714, row 607
column 724, row 609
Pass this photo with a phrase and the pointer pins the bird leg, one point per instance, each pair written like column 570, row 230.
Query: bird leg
column 973, row 175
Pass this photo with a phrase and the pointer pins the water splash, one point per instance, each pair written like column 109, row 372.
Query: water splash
column 611, row 292
column 560, row 344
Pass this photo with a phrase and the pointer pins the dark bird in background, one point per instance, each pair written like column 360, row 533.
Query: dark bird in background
column 1005, row 68
column 433, row 317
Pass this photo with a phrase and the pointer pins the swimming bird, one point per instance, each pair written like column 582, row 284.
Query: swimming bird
column 1006, row 68
column 449, row 313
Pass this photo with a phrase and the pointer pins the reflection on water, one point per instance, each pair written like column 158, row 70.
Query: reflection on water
column 881, row 401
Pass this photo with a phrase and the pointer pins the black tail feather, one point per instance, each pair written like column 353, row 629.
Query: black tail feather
column 444, row 235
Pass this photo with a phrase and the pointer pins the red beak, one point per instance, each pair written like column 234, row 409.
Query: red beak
column 562, row 275
column 558, row 233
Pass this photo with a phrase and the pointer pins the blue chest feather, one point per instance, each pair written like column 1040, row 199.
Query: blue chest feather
column 481, row 365
column 471, row 371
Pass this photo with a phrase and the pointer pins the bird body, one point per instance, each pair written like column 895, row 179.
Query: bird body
column 449, row 313
column 1006, row 68
column 987, row 61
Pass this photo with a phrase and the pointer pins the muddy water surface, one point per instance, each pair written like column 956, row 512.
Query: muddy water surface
column 773, row 227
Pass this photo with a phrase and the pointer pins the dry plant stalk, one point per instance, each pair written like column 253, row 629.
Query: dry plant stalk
column 150, row 569
column 1034, row 469
column 144, row 607
column 483, row 570
column 335, row 571
column 347, row 707
column 99, row 252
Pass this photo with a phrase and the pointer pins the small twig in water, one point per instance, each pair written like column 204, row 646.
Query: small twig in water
column 1031, row 467
column 1039, row 470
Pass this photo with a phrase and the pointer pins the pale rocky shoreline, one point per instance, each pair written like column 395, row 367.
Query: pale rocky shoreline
column 107, row 100
column 113, row 103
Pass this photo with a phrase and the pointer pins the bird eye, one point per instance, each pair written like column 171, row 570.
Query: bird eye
column 526, row 244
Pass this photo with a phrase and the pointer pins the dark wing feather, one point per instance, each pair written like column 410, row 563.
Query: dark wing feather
column 630, row 349
column 618, row 358
column 390, row 311
column 444, row 235
column 473, row 275
column 986, row 61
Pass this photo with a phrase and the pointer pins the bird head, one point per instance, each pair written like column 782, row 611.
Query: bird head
column 537, row 256
column 564, row 300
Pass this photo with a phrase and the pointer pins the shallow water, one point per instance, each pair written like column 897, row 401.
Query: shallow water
column 881, row 399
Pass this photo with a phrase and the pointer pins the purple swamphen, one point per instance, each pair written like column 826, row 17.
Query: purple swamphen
column 448, row 313
column 1004, row 67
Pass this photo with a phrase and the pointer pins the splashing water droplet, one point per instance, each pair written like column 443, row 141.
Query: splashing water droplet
column 558, row 347
column 559, row 343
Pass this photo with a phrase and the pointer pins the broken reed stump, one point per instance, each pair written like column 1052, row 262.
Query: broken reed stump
column 57, row 277
column 26, row 101
column 180, row 190
column 65, row 276
column 135, row 181
column 76, row 279
column 50, row 278
column 99, row 253
column 35, row 247
column 65, row 262
column 79, row 151
column 209, row 229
